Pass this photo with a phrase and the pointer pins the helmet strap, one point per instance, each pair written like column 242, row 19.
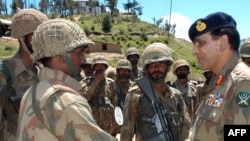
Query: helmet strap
column 71, row 67
column 24, row 46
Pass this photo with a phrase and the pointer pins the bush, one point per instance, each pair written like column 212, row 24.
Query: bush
column 106, row 24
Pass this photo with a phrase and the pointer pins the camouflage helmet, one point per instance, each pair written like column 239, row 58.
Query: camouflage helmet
column 156, row 52
column 245, row 48
column 124, row 64
column 180, row 63
column 132, row 51
column 99, row 59
column 25, row 21
column 110, row 72
column 89, row 61
column 57, row 37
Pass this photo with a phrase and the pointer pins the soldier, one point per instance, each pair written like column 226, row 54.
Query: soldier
column 87, row 68
column 153, row 110
column 133, row 56
column 216, row 42
column 202, row 88
column 122, row 81
column 187, row 87
column 122, row 84
column 19, row 71
column 53, row 108
column 100, row 92
column 245, row 51
column 110, row 72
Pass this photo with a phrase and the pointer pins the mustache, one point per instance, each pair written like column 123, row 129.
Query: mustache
column 124, row 76
column 157, row 72
column 134, row 62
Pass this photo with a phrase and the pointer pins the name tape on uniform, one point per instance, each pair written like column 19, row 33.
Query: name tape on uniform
column 241, row 132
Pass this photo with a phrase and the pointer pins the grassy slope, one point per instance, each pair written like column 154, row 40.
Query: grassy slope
column 127, row 32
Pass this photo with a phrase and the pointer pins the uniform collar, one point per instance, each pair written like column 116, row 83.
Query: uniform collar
column 58, row 76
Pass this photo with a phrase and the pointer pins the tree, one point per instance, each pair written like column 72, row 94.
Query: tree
column 44, row 6
column 16, row 4
column 106, row 23
column 170, row 28
column 133, row 7
column 127, row 6
column 3, row 7
column 112, row 6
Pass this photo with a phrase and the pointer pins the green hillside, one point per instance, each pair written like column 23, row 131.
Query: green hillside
column 126, row 31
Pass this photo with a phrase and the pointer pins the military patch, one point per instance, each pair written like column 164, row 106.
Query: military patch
column 214, row 100
column 243, row 99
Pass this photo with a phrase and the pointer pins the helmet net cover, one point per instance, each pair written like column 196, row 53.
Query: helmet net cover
column 180, row 63
column 100, row 59
column 57, row 37
column 245, row 48
column 132, row 51
column 89, row 61
column 25, row 21
column 124, row 64
column 156, row 52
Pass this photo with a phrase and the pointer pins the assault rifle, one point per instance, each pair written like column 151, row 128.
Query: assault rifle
column 160, row 119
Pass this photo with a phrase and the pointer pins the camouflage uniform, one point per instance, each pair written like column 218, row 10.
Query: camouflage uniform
column 213, row 116
column 245, row 51
column 136, row 72
column 101, row 98
column 189, row 89
column 53, row 109
column 202, row 88
column 18, row 75
column 138, row 111
column 227, row 101
column 122, row 86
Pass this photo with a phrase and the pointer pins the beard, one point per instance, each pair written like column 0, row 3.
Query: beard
column 124, row 76
column 157, row 76
column 134, row 62
column 182, row 75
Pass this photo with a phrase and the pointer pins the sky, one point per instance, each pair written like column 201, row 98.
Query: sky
column 185, row 12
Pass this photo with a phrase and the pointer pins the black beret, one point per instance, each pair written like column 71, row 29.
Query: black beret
column 210, row 22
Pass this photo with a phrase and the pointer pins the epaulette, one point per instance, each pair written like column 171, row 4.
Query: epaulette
column 241, row 72
column 135, row 88
column 174, row 91
column 193, row 82
column 109, row 79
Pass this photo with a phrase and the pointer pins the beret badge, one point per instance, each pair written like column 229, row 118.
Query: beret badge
column 200, row 26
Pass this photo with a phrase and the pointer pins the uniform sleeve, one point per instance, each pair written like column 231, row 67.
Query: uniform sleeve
column 185, row 127
column 130, row 115
column 71, row 119
column 238, row 106
column 88, row 91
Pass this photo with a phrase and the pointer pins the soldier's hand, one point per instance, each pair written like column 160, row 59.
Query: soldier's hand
column 99, row 75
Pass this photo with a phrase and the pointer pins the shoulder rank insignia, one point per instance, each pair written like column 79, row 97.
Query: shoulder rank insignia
column 243, row 99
